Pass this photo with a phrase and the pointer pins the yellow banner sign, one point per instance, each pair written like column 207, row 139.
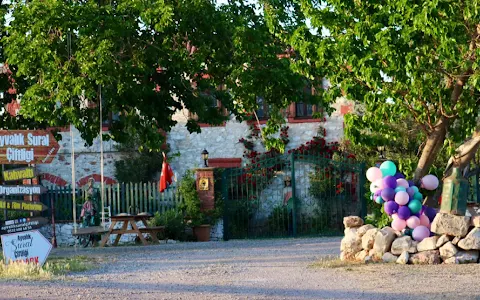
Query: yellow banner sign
column 18, row 174
column 22, row 205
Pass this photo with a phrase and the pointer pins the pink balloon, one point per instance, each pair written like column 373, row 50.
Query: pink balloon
column 420, row 233
column 413, row 222
column 430, row 182
column 424, row 221
column 401, row 198
column 394, row 216
column 374, row 174
column 399, row 224
column 403, row 182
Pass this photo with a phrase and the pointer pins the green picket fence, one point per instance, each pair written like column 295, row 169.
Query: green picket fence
column 132, row 198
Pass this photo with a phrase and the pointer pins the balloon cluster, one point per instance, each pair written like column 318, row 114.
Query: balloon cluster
column 402, row 200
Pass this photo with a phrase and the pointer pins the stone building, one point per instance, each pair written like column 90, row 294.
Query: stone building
column 222, row 143
column 87, row 162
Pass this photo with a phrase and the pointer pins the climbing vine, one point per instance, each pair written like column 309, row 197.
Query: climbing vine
column 261, row 166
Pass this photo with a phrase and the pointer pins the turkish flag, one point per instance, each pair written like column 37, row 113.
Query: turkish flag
column 167, row 176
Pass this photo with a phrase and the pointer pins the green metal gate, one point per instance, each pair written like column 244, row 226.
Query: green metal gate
column 291, row 195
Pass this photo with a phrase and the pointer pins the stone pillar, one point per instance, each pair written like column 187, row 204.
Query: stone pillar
column 205, row 188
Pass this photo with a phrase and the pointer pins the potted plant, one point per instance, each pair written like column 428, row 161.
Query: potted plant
column 201, row 228
column 198, row 220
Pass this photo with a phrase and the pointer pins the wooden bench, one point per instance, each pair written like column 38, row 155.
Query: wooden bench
column 89, row 230
column 153, row 231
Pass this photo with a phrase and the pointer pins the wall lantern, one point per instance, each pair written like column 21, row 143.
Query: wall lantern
column 205, row 157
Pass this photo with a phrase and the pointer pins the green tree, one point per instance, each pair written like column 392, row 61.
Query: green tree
column 403, row 60
column 144, row 60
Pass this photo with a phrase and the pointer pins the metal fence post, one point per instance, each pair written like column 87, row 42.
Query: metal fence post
column 294, row 204
column 226, row 233
column 361, row 191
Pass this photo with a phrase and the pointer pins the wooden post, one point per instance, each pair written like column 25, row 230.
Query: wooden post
column 54, row 237
column 5, row 211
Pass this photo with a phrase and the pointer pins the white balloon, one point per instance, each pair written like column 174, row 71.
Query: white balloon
column 430, row 182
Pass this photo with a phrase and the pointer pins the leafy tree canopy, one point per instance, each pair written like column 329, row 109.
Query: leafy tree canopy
column 403, row 60
column 145, row 60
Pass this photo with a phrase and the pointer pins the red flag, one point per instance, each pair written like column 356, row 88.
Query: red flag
column 166, row 178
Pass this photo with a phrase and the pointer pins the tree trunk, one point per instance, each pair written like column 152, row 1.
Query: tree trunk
column 432, row 147
column 464, row 154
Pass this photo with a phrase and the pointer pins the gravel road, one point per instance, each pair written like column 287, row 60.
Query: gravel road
column 250, row 269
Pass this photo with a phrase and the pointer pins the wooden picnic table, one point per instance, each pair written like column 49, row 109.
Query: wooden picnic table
column 131, row 219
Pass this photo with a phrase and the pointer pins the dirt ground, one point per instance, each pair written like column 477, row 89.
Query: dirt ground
column 248, row 269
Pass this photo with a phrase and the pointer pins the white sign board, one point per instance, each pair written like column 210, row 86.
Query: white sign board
column 28, row 246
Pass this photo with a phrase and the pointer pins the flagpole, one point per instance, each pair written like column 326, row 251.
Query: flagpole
column 101, row 159
column 74, row 192
column 72, row 145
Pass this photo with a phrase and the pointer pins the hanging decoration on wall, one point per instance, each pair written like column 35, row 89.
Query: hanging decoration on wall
column 203, row 184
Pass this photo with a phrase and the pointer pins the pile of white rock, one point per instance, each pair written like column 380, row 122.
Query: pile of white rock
column 456, row 241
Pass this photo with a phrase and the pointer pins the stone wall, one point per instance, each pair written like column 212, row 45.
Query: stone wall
column 222, row 141
column 216, row 233
column 87, row 162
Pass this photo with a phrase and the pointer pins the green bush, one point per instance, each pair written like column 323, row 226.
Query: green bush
column 378, row 217
column 173, row 221
column 278, row 220
column 191, row 203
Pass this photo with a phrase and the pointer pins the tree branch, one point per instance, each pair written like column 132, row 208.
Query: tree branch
column 429, row 122
column 443, row 112
column 415, row 116
column 458, row 88
column 465, row 153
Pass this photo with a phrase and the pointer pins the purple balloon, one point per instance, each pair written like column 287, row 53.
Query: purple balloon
column 388, row 194
column 411, row 192
column 410, row 183
column 390, row 181
column 404, row 212
column 390, row 207
column 430, row 213
column 377, row 193
column 420, row 232
column 399, row 175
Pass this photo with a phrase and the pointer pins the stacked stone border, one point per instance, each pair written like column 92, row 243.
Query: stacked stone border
column 455, row 240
